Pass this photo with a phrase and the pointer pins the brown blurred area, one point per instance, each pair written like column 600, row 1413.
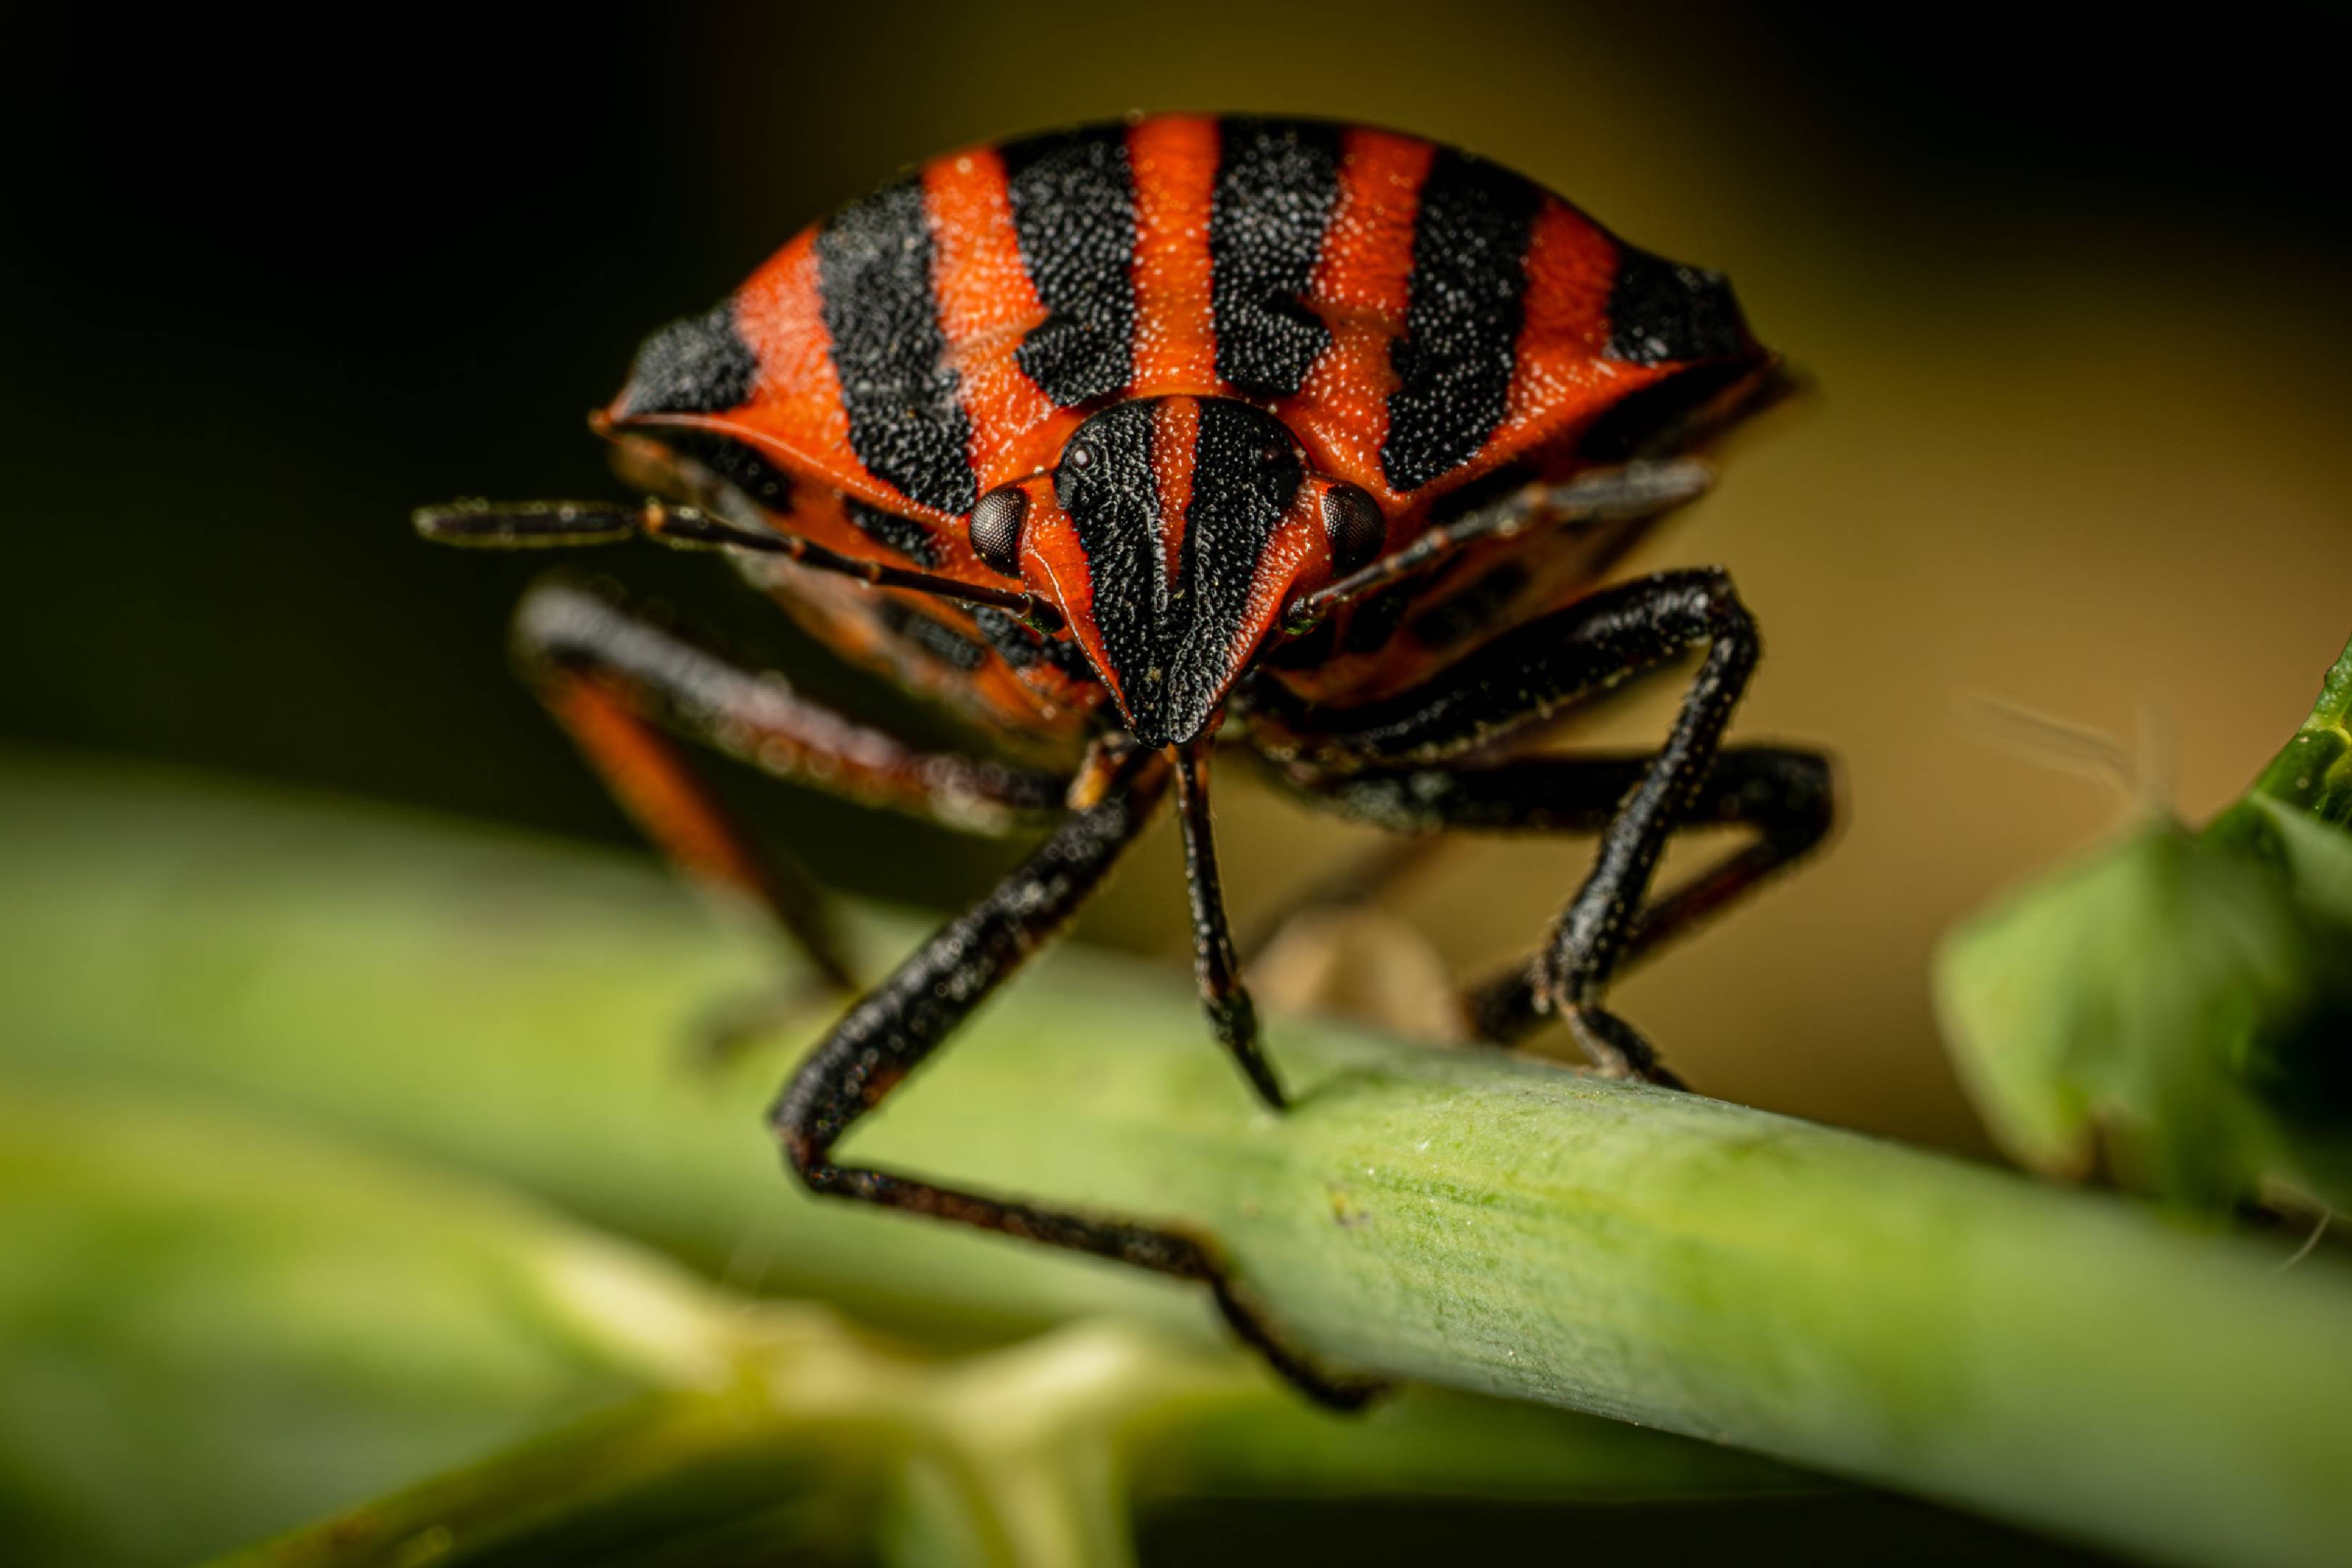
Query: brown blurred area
column 2074, row 299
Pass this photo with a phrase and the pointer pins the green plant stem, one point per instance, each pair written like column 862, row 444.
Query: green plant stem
column 214, row 1327
column 2063, row 1359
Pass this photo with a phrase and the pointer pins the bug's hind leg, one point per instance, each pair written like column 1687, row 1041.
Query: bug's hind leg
column 1781, row 794
column 895, row 1028
column 1524, row 676
column 622, row 688
column 1570, row 973
column 1786, row 797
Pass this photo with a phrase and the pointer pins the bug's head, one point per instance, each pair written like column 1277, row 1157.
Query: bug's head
column 1169, row 533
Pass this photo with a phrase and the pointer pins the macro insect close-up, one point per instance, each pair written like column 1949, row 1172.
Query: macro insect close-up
column 1140, row 439
column 962, row 787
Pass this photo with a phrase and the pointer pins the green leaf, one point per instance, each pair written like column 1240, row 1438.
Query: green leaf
column 2176, row 1008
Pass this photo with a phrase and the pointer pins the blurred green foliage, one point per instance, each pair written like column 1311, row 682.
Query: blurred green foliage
column 211, row 1327
column 2176, row 1008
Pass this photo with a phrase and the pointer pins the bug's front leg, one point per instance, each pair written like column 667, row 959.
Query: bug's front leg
column 895, row 1028
column 622, row 686
column 1524, row 677
column 1232, row 1014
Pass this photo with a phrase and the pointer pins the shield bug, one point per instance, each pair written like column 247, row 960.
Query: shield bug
column 1143, row 440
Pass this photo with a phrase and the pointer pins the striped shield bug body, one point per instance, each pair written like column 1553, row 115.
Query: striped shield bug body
column 1143, row 440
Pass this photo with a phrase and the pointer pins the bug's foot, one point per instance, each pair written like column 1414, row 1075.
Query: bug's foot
column 1617, row 1049
column 1233, row 1019
column 1333, row 1391
column 1568, row 985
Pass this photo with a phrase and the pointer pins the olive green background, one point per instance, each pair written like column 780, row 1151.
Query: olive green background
column 2073, row 294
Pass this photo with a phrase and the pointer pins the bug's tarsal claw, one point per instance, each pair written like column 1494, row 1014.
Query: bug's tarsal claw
column 1617, row 1049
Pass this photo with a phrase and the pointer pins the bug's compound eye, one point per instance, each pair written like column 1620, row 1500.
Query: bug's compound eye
column 996, row 524
column 1353, row 527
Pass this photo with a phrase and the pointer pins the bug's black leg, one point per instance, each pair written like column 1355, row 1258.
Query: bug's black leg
column 622, row 687
column 757, row 719
column 1523, row 677
column 1783, row 794
column 1232, row 1015
column 895, row 1026
column 1786, row 795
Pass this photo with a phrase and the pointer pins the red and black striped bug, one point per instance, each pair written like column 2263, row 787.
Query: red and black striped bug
column 1136, row 440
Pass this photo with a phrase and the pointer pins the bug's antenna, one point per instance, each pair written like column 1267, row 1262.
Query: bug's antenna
column 2143, row 780
column 526, row 525
column 559, row 525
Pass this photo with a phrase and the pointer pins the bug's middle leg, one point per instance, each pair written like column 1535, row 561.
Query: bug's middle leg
column 1523, row 677
column 895, row 1028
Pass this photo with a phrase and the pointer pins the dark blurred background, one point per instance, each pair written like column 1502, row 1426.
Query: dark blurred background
column 2074, row 290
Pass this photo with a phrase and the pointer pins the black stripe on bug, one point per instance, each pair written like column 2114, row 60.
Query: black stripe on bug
column 1073, row 198
column 1661, row 311
column 1463, row 307
column 903, row 535
column 874, row 279
column 1277, row 183
column 699, row 365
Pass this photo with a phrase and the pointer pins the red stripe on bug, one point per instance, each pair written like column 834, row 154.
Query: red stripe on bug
column 1294, row 555
column 1340, row 413
column 1174, row 162
column 987, row 304
column 1052, row 553
column 1175, row 441
column 795, row 412
column 1562, row 377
